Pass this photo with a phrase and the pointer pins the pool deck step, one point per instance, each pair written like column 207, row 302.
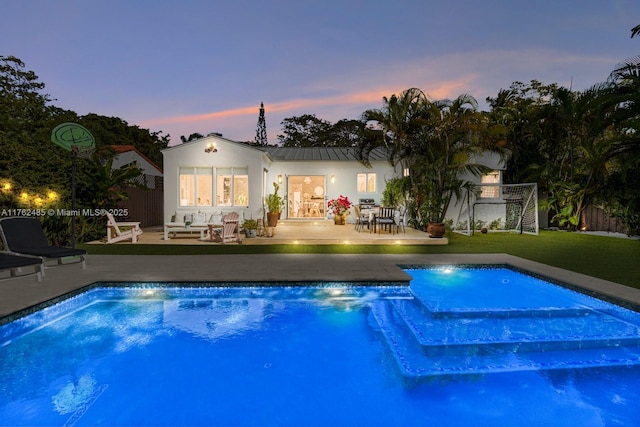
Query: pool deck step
column 585, row 329
column 415, row 363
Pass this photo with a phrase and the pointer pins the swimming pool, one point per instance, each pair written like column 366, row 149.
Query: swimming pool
column 488, row 346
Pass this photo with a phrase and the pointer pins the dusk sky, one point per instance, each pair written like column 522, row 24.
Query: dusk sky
column 204, row 66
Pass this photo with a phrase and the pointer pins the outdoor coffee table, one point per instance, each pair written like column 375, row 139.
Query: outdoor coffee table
column 181, row 228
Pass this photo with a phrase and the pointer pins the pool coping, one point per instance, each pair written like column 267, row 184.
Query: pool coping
column 25, row 293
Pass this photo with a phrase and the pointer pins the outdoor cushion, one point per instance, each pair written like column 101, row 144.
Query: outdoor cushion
column 216, row 217
column 24, row 235
column 199, row 218
column 12, row 262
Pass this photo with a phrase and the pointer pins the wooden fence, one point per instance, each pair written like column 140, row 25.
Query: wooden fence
column 145, row 205
column 596, row 219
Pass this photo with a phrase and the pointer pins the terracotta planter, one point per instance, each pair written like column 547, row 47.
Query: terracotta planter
column 436, row 230
column 339, row 219
column 272, row 219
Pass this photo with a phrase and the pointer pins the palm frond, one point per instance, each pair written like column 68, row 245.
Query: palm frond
column 630, row 67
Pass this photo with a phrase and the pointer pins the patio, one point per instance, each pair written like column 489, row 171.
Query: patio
column 320, row 232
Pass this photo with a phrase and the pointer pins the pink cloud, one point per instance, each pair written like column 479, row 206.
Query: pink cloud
column 371, row 96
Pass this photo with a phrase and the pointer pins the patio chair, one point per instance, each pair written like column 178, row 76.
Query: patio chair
column 14, row 264
column 386, row 219
column 24, row 235
column 119, row 231
column 361, row 219
column 229, row 232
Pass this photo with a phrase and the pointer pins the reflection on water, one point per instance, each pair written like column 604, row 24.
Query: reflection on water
column 76, row 398
column 214, row 318
column 73, row 395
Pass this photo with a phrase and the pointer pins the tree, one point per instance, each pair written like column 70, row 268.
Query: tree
column 399, row 121
column 261, row 131
column 114, row 131
column 346, row 133
column 31, row 163
column 304, row 131
column 26, row 119
column 436, row 141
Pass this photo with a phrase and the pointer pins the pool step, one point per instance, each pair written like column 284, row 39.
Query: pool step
column 585, row 329
column 478, row 355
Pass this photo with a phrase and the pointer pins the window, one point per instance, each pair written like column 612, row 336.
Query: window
column 223, row 186
column 204, row 189
column 187, row 186
column 366, row 183
column 198, row 187
column 240, row 189
column 488, row 191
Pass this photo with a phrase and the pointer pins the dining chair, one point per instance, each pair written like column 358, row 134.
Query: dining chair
column 386, row 219
column 361, row 219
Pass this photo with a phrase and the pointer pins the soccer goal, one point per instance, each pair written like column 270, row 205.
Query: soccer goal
column 499, row 207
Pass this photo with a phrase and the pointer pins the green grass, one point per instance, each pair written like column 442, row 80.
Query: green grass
column 617, row 260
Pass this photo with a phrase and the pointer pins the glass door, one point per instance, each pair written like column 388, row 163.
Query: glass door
column 305, row 194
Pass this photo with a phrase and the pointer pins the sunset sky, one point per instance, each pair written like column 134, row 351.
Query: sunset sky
column 204, row 66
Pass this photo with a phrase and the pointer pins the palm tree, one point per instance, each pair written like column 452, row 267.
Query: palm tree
column 398, row 121
column 581, row 125
column 448, row 146
column 436, row 141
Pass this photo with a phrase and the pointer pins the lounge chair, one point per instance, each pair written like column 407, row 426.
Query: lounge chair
column 24, row 235
column 14, row 263
column 129, row 230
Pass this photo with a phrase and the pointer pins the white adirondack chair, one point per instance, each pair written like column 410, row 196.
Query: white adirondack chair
column 129, row 230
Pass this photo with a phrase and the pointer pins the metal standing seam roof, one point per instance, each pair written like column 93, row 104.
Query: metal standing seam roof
column 321, row 153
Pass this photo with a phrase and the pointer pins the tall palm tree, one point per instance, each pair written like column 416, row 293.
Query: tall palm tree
column 398, row 122
column 448, row 146
column 436, row 141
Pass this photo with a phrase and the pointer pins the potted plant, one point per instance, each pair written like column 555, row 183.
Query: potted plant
column 274, row 206
column 250, row 227
column 340, row 209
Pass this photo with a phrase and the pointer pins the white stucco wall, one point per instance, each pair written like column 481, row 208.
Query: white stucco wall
column 229, row 154
column 263, row 172
column 345, row 173
column 486, row 212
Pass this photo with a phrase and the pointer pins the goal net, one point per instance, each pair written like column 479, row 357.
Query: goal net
column 498, row 207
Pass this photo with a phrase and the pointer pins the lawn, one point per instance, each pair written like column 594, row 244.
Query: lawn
column 617, row 260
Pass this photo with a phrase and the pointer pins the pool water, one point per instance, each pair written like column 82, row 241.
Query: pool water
column 459, row 347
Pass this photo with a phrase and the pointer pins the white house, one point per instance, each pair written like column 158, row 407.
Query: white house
column 129, row 155
column 214, row 175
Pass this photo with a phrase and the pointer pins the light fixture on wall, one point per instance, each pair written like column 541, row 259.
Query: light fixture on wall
column 333, row 179
column 307, row 180
column 279, row 179
column 211, row 148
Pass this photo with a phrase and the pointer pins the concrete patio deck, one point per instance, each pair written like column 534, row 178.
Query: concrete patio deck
column 21, row 293
column 320, row 232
